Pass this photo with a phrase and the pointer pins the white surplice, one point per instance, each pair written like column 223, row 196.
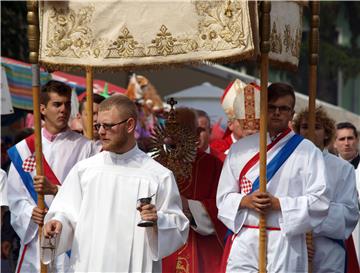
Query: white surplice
column 300, row 186
column 356, row 232
column 97, row 207
column 61, row 154
column 3, row 188
column 342, row 217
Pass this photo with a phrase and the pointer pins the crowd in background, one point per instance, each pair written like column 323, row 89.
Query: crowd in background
column 344, row 142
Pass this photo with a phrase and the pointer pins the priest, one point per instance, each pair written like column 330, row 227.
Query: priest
column 204, row 247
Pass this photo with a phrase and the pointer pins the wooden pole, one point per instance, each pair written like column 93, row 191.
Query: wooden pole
column 89, row 102
column 313, row 63
column 33, row 38
column 264, row 75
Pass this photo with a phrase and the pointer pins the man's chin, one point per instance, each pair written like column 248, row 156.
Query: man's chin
column 62, row 127
column 104, row 147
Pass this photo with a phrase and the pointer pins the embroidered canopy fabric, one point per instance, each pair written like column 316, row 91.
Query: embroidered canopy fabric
column 143, row 33
column 131, row 34
column 285, row 33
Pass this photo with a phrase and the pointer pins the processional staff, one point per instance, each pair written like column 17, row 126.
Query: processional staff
column 264, row 76
column 33, row 38
column 89, row 102
column 313, row 63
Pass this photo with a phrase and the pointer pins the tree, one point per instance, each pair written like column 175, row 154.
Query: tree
column 14, row 43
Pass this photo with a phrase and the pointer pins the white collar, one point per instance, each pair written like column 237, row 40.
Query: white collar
column 114, row 157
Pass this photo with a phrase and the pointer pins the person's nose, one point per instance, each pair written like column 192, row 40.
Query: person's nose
column 101, row 130
column 277, row 111
column 62, row 108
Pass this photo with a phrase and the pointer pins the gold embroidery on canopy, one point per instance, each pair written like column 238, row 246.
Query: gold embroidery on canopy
column 295, row 51
column 70, row 36
column 221, row 27
column 292, row 42
column 125, row 46
column 222, row 22
column 275, row 40
column 164, row 44
column 287, row 38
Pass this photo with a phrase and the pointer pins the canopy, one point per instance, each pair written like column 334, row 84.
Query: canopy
column 77, row 33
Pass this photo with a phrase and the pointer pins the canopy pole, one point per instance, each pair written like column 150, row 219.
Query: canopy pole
column 89, row 102
column 264, row 75
column 33, row 38
column 313, row 63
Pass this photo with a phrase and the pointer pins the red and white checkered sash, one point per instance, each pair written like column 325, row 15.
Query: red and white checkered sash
column 250, row 171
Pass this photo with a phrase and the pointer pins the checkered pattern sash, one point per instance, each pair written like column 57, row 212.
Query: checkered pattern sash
column 23, row 158
column 246, row 184
column 48, row 172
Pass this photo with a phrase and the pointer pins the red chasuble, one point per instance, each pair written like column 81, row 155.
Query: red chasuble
column 220, row 146
column 200, row 253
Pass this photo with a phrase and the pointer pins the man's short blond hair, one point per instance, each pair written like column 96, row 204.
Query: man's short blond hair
column 122, row 103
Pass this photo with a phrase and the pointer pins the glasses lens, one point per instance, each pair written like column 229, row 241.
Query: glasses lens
column 272, row 108
column 107, row 126
column 284, row 109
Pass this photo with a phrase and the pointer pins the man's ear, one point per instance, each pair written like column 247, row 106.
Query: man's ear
column 292, row 114
column 334, row 144
column 42, row 109
column 131, row 125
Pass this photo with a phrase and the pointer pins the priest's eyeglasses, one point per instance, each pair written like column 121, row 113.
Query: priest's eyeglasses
column 108, row 126
column 282, row 109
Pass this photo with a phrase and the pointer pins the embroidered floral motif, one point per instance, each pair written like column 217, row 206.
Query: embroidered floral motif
column 222, row 22
column 275, row 40
column 221, row 27
column 291, row 40
column 295, row 50
column 125, row 46
column 287, row 38
column 69, row 35
column 182, row 265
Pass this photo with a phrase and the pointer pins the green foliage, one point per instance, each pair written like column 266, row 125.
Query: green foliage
column 14, row 43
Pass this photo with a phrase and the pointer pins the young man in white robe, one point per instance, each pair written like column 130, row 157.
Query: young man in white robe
column 330, row 236
column 295, row 201
column 96, row 212
column 62, row 149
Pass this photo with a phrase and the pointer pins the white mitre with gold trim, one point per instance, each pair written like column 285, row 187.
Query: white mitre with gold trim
column 247, row 107
column 228, row 98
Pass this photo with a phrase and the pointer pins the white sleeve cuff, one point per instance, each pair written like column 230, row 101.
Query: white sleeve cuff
column 204, row 225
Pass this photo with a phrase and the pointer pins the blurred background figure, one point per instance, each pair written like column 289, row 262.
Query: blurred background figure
column 347, row 147
column 204, row 247
column 347, row 142
column 241, row 103
column 329, row 238
column 204, row 131
column 82, row 115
